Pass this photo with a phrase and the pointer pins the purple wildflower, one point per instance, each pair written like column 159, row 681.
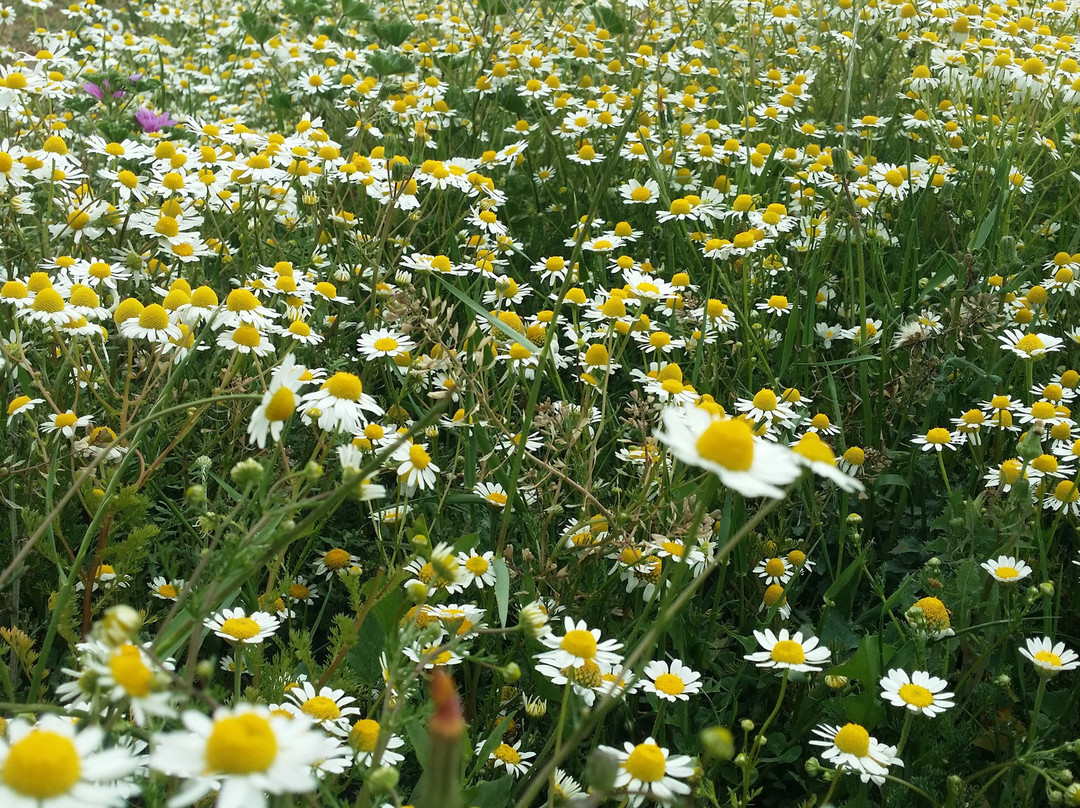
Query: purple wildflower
column 153, row 121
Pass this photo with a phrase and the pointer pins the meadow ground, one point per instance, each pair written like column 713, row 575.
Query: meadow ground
column 554, row 403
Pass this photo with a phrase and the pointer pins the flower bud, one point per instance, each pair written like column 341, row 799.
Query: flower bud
column 511, row 672
column 383, row 780
column 835, row 682
column 747, row 725
column 718, row 742
column 195, row 495
column 417, row 590
column 247, row 472
column 312, row 471
column 119, row 625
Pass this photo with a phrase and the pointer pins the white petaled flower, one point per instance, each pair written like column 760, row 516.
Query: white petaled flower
column 493, row 494
column 384, row 342
column 328, row 708
column 728, row 448
column 578, row 645
column 51, row 765
column 509, row 757
column 816, row 455
column 152, row 324
column 237, row 627
column 476, row 568
column 416, row 471
column 918, row 691
column 1029, row 346
column 245, row 752
column 774, row 571
column 1050, row 657
column 278, row 402
column 128, row 673
column 339, row 404
column 673, row 682
column 788, row 651
column 852, row 747
column 364, row 737
column 1007, row 569
column 648, row 771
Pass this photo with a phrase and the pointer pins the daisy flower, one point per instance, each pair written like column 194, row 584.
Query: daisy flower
column 919, row 692
column 300, row 591
column 774, row 571
column 728, row 449
column 384, row 342
column 328, row 708
column 1007, row 569
column 152, row 324
column 492, row 493
column 816, row 455
column 476, row 568
column 1049, row 657
column 166, row 589
column 66, row 423
column 673, row 682
column 852, row 747
column 128, row 673
column 509, row 757
column 1029, row 346
column 363, row 738
column 237, row 627
column 245, row 752
column 650, row 772
column 278, row 403
column 937, row 439
column 51, row 765
column 415, row 469
column 788, row 652
column 579, row 645
column 335, row 561
column 340, row 404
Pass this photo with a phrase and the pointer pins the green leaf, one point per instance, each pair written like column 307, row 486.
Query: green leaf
column 502, row 589
column 389, row 64
column 356, row 10
column 393, row 32
column 492, row 793
column 418, row 737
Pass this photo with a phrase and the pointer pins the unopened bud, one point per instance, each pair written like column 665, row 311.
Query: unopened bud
column 511, row 672
column 119, row 625
column 747, row 725
column 312, row 471
column 247, row 472
column 383, row 780
column 718, row 742
column 836, row 682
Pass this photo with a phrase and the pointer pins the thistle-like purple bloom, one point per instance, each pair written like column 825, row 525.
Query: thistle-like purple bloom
column 153, row 121
column 98, row 91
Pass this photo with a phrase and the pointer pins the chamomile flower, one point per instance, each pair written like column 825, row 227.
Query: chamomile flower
column 166, row 589
column 384, row 342
column 415, row 469
column 476, row 569
column 340, row 403
column 1030, row 345
column 335, row 561
column 579, row 645
column 240, row 628
column 245, row 752
column 1007, row 569
column 672, row 681
column 786, row 651
column 330, row 709
column 918, row 691
column 728, row 448
column 648, row 771
column 364, row 739
column 51, row 764
column 852, row 747
column 1049, row 657
column 509, row 757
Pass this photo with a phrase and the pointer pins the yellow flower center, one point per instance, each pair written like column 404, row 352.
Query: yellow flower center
column 1049, row 657
column 419, row 457
column 773, row 595
column 1030, row 343
column 788, row 651
column 853, row 740
column 241, row 628
column 937, row 616
column 65, row 419
column 916, row 695
column 364, row 734
column 42, row 765
column 248, row 336
column 336, row 559
column 281, row 405
column 241, row 300
column 167, row 591
column 242, row 744
column 507, row 754
column 154, row 317
column 814, row 449
column 344, row 385
column 386, row 344
column 321, row 708
column 1007, row 572
column 579, row 643
column 775, row 567
column 938, row 435
column 728, row 443
column 48, row 300
column 167, row 226
column 670, row 684
column 646, row 763
column 130, row 672
column 797, row 557
column 299, row 592
column 477, row 565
